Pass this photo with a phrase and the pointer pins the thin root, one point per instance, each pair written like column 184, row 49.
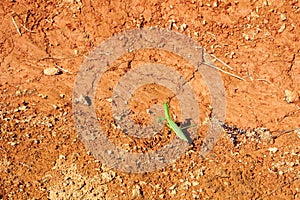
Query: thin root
column 265, row 80
column 15, row 24
column 221, row 62
column 284, row 132
column 27, row 29
column 225, row 72
column 62, row 69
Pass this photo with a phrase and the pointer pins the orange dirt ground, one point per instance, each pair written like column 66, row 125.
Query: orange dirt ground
column 41, row 156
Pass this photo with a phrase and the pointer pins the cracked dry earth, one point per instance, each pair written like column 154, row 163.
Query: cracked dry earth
column 44, row 43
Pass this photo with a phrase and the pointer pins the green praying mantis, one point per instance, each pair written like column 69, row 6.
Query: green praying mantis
column 173, row 126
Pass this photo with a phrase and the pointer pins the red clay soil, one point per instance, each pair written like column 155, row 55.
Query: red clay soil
column 41, row 156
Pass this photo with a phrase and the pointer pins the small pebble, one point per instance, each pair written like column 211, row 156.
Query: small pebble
column 110, row 100
column 13, row 143
column 195, row 183
column 85, row 100
column 22, row 108
column 136, row 192
column 246, row 36
column 266, row 3
column 282, row 28
column 291, row 96
column 264, row 135
column 280, row 173
column 109, row 152
column 183, row 27
column 18, row 93
column 282, row 17
column 51, row 71
column 172, row 187
column 108, row 176
column 273, row 149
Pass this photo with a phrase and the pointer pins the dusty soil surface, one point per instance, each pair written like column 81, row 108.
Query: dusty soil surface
column 41, row 156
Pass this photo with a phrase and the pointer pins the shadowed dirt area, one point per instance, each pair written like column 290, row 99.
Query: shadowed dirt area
column 41, row 155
